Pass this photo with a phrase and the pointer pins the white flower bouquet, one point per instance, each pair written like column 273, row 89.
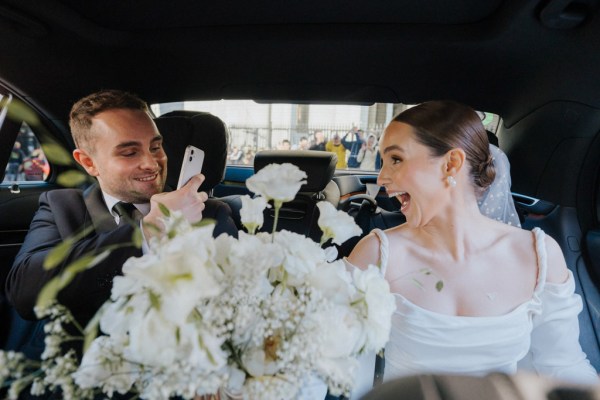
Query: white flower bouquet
column 255, row 317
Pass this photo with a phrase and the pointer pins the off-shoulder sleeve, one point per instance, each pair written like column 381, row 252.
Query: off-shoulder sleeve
column 555, row 350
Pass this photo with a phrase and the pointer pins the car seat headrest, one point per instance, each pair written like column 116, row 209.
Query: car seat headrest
column 200, row 129
column 318, row 165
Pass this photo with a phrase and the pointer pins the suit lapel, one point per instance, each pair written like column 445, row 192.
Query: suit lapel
column 101, row 218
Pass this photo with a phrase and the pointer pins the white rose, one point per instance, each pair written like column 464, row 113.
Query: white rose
column 236, row 379
column 333, row 281
column 257, row 363
column 380, row 304
column 223, row 245
column 207, row 353
column 252, row 212
column 340, row 370
column 102, row 366
column 342, row 332
column 335, row 224
column 116, row 317
column 124, row 286
column 181, row 272
column 152, row 341
column 301, row 255
column 250, row 257
column 279, row 182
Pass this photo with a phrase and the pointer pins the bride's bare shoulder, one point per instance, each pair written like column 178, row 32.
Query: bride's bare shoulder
column 366, row 251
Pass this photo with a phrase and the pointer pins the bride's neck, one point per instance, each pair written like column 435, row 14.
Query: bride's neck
column 456, row 232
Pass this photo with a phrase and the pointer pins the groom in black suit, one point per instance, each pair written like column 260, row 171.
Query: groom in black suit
column 118, row 143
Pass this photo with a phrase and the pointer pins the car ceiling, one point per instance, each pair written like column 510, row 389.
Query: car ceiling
column 498, row 56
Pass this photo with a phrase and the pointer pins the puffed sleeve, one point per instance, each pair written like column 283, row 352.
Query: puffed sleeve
column 555, row 350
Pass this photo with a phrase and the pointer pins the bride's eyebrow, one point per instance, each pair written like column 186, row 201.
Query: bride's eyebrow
column 393, row 147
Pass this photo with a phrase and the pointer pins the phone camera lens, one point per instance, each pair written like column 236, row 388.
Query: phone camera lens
column 190, row 158
column 192, row 151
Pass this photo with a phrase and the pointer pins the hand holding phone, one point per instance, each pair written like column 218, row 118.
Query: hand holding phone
column 191, row 165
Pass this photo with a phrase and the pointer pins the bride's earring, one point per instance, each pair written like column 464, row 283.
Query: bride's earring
column 451, row 181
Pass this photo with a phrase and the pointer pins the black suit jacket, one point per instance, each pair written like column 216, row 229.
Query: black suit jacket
column 63, row 213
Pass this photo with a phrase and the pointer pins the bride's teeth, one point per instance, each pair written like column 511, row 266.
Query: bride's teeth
column 396, row 194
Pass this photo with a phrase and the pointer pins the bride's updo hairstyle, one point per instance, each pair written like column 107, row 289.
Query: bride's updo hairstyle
column 446, row 125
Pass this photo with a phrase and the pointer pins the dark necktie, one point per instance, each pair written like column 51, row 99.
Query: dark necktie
column 127, row 212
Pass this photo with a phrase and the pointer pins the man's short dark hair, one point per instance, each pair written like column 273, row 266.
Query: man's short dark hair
column 84, row 110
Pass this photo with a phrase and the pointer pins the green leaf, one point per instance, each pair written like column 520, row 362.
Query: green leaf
column 19, row 111
column 48, row 293
column 204, row 222
column 137, row 238
column 91, row 330
column 57, row 154
column 181, row 277
column 58, row 254
column 71, row 178
column 83, row 233
column 81, row 264
column 164, row 209
column 153, row 227
column 439, row 286
column 154, row 300
column 50, row 290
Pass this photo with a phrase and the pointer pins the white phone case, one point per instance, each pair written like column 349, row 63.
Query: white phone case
column 191, row 165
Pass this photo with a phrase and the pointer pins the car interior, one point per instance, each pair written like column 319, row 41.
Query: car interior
column 529, row 66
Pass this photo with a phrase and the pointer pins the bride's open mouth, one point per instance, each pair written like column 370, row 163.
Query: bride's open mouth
column 404, row 199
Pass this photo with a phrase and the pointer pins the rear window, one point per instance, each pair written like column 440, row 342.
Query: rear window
column 27, row 161
column 351, row 131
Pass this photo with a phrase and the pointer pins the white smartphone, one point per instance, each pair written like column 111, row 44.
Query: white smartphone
column 191, row 165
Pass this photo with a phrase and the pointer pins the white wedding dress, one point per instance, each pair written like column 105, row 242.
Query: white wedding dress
column 539, row 335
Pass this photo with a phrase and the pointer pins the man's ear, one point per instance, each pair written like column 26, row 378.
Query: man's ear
column 454, row 161
column 87, row 162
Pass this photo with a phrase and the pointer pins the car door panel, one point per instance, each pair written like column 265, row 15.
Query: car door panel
column 17, row 211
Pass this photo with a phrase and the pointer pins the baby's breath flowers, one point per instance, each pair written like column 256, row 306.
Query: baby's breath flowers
column 54, row 372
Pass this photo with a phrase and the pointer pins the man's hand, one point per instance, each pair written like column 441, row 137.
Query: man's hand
column 187, row 200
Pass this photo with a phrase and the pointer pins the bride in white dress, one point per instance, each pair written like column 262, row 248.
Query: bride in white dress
column 508, row 300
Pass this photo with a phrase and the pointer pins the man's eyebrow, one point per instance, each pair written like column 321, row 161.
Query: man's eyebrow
column 393, row 147
column 131, row 143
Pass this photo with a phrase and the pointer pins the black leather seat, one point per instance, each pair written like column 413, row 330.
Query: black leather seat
column 301, row 214
column 200, row 129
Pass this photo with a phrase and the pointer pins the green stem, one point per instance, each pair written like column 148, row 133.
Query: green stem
column 277, row 204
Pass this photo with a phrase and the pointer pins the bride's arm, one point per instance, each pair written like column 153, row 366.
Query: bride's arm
column 555, row 350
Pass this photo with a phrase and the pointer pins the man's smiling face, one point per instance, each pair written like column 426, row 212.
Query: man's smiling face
column 126, row 155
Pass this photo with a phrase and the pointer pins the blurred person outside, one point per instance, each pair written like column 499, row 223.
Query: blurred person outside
column 236, row 155
column 354, row 146
column 284, row 145
column 367, row 155
column 249, row 157
column 319, row 143
column 36, row 166
column 302, row 144
column 335, row 146
column 15, row 168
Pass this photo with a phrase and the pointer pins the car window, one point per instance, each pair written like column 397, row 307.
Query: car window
column 351, row 131
column 27, row 160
